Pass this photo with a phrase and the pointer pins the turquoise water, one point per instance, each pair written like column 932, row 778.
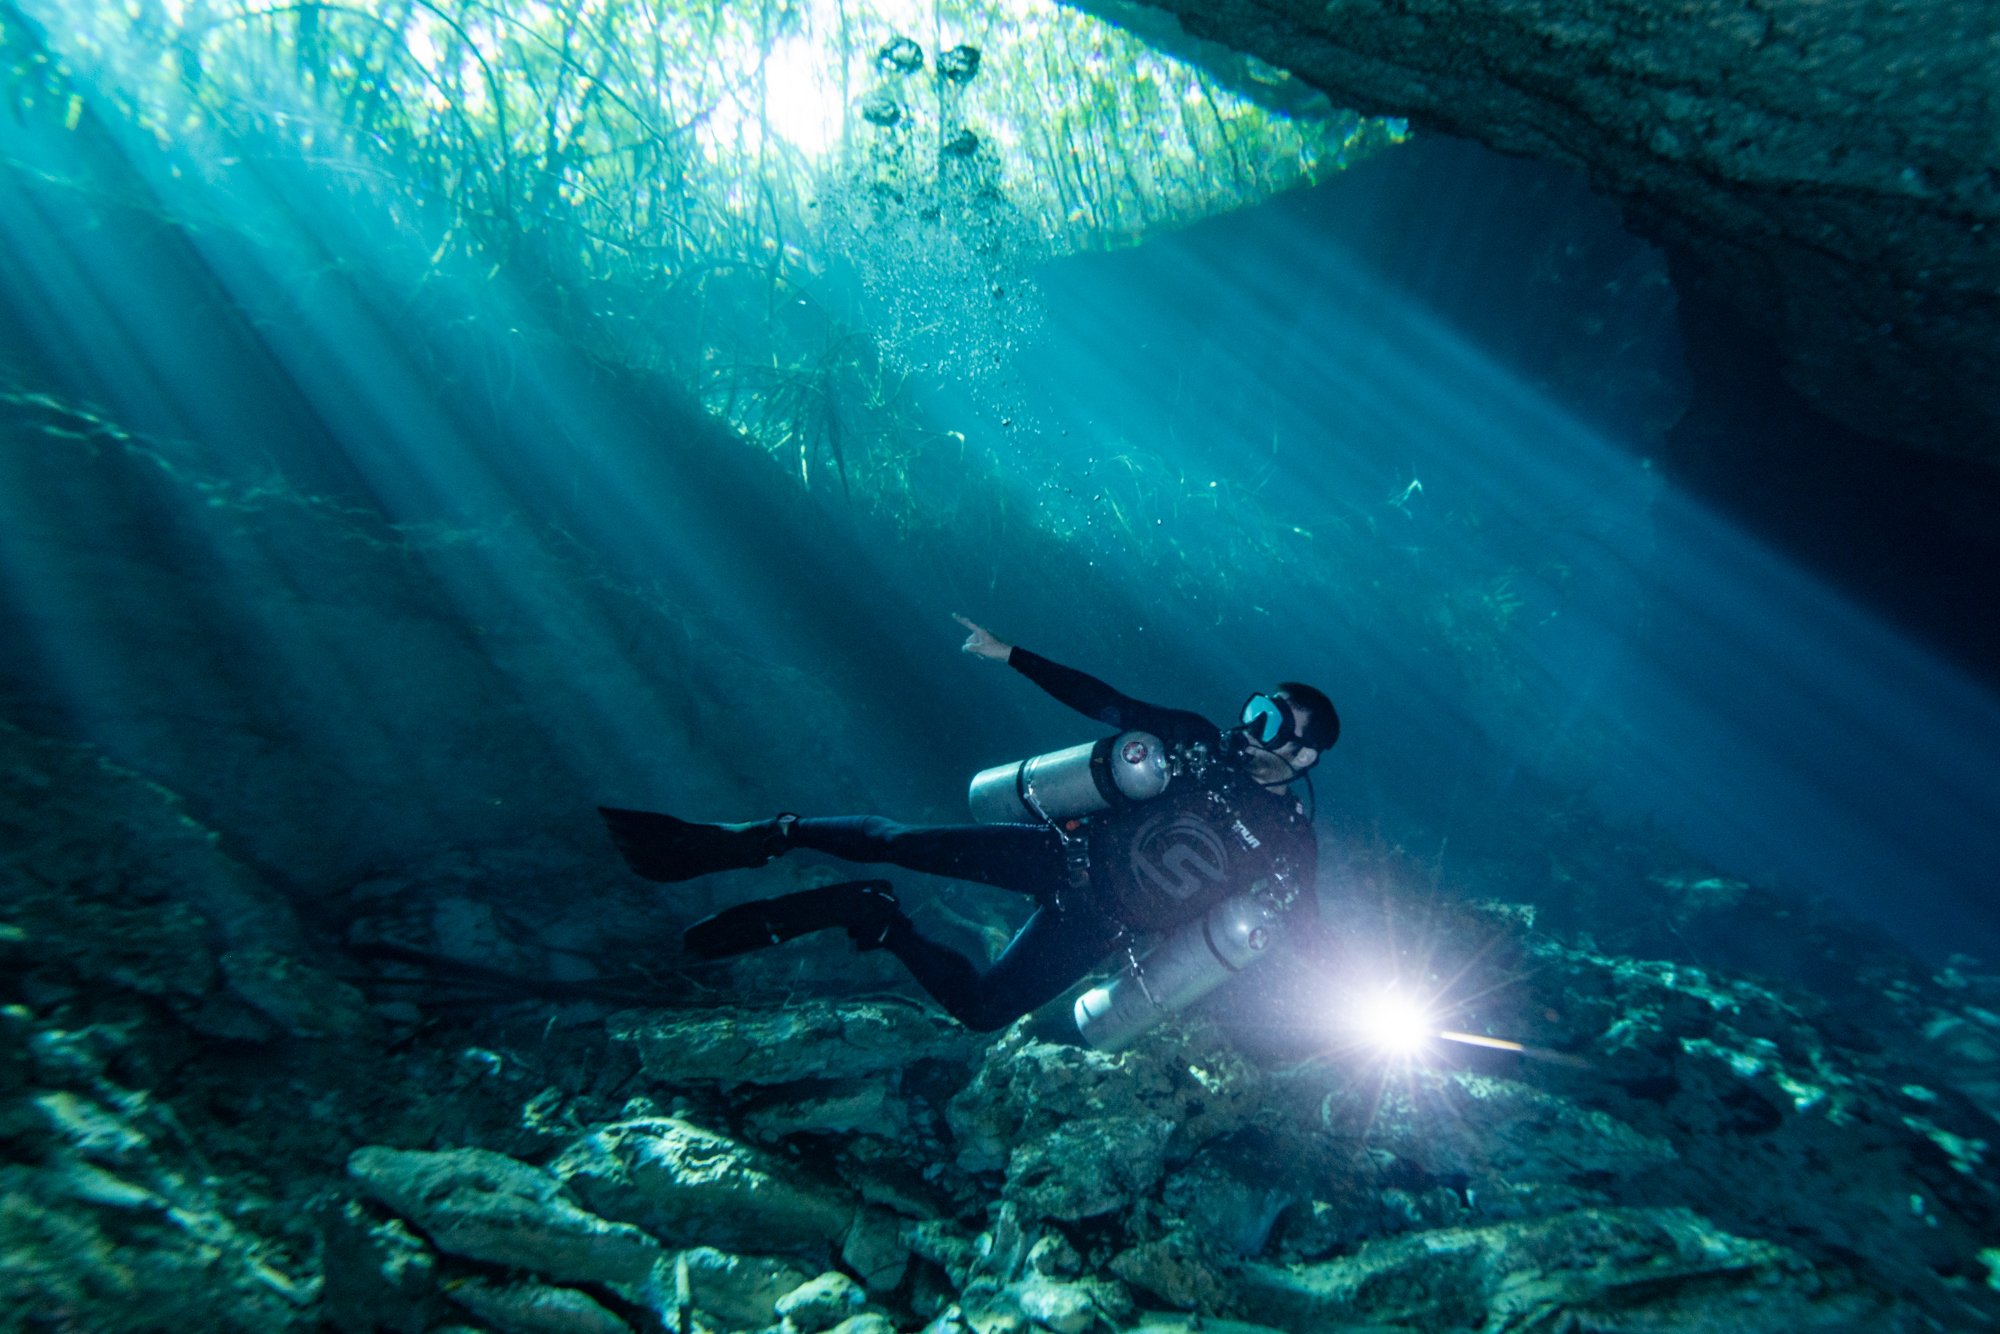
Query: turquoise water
column 362, row 529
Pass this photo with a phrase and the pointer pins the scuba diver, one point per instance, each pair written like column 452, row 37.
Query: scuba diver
column 1170, row 825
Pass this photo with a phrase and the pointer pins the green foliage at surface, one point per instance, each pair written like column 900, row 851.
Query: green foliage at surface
column 806, row 224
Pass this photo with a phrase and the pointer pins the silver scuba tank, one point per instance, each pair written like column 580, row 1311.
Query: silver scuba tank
column 1064, row 784
column 1197, row 958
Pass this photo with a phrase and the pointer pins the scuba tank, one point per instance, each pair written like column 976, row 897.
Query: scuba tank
column 1197, row 958
column 1068, row 784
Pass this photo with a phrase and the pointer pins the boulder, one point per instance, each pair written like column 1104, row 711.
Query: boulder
column 379, row 1274
column 826, row 1039
column 1026, row 1089
column 1068, row 1307
column 1176, row 1269
column 301, row 999
column 1460, row 1124
column 1088, row 1167
column 690, row 1186
column 1585, row 1269
column 535, row 1308
column 486, row 1206
column 821, row 1303
column 739, row 1291
column 874, row 1247
column 1232, row 1200
column 836, row 1107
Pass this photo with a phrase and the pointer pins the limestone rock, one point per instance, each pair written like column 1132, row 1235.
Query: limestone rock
column 132, row 1255
column 1231, row 1200
column 821, row 1303
column 486, row 1206
column 874, row 1248
column 1025, row 1089
column 1087, row 1168
column 1068, row 1307
column 823, row 1039
column 535, row 1308
column 945, row 1246
column 838, row 1107
column 107, row 840
column 868, row 1322
column 691, row 1186
column 379, row 1275
column 889, row 1174
column 1159, row 1322
column 740, row 1291
column 1176, row 1269
column 1466, row 1125
column 1584, row 1268
column 299, row 998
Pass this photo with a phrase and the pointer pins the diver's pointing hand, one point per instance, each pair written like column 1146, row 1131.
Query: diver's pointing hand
column 980, row 643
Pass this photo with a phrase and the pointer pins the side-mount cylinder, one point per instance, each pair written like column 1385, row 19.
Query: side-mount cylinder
column 1066, row 784
column 1196, row 959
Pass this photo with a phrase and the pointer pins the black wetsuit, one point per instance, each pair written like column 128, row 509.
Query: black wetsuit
column 1151, row 865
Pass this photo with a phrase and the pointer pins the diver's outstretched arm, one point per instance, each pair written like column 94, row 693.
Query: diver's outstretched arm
column 1083, row 692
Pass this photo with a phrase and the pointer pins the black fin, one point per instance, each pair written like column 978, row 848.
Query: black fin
column 660, row 847
column 862, row 906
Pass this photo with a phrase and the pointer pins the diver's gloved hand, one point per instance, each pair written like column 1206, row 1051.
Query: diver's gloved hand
column 865, row 907
column 981, row 643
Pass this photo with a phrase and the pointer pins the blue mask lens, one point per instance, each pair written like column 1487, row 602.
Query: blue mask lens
column 1264, row 719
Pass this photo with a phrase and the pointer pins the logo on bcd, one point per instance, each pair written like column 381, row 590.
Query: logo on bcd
column 1178, row 856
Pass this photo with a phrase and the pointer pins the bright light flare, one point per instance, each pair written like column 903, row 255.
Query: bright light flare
column 1395, row 1025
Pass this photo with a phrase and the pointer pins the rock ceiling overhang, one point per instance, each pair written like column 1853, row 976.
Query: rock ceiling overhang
column 1830, row 168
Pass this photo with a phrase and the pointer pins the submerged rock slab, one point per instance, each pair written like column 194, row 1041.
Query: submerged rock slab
column 837, row 1107
column 1584, row 1269
column 1027, row 1089
column 741, row 1291
column 486, row 1206
column 821, row 1303
column 691, row 1186
column 1089, row 1167
column 812, row 1040
column 379, row 1274
column 1477, row 1127
column 106, row 881
column 1175, row 1269
column 535, row 1308
column 1068, row 1307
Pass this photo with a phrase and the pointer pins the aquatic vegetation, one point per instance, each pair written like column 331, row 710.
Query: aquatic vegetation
column 611, row 149
column 807, row 215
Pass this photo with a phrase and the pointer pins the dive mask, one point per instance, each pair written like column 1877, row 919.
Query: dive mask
column 1268, row 722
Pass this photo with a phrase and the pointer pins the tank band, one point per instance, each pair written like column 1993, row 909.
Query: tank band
column 1209, row 940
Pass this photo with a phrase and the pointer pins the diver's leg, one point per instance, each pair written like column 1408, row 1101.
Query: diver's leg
column 1027, row 858
column 866, row 908
column 1048, row 954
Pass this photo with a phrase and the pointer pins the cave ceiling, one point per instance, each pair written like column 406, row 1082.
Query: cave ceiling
column 1828, row 169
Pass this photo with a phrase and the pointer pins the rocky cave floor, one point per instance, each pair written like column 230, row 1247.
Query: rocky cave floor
column 465, row 1117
